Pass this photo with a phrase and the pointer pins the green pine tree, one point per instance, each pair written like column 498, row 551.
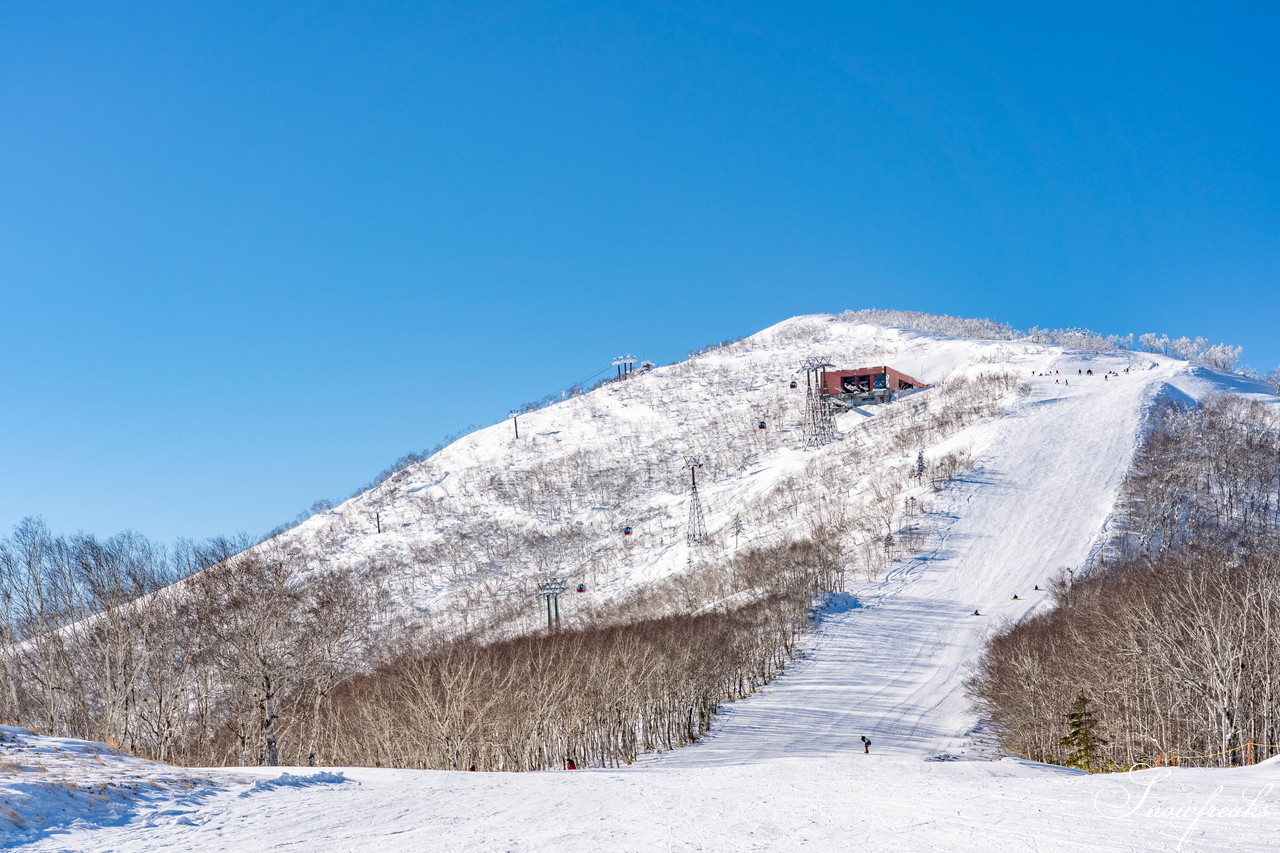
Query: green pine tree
column 1081, row 741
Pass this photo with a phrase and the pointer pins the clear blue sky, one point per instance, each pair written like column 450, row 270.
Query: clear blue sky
column 252, row 252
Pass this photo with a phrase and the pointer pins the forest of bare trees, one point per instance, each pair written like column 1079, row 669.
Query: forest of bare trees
column 250, row 657
column 195, row 655
column 1172, row 637
column 595, row 695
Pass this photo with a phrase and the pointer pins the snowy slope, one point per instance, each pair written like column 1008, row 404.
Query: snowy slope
column 784, row 769
column 471, row 529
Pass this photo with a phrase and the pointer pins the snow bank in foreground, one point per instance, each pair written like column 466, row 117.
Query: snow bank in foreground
column 59, row 784
column 847, row 801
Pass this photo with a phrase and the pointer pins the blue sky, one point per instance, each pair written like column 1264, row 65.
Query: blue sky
column 252, row 252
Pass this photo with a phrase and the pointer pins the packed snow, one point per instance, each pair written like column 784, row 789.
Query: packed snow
column 784, row 769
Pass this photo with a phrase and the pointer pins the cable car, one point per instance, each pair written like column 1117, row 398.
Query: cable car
column 626, row 531
column 582, row 587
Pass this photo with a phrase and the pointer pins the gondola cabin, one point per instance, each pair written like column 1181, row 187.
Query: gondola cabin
column 582, row 587
column 626, row 531
column 762, row 425
column 795, row 384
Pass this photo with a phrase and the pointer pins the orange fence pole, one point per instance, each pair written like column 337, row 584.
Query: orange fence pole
column 1248, row 753
column 1173, row 760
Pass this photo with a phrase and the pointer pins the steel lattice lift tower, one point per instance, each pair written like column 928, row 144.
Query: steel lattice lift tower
column 697, row 523
column 819, row 425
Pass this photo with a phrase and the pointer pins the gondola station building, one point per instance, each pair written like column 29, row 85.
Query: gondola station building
column 867, row 385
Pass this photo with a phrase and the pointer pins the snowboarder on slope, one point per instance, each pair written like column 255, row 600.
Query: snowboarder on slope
column 866, row 745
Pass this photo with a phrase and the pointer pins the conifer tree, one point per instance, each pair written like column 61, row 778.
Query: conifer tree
column 1080, row 739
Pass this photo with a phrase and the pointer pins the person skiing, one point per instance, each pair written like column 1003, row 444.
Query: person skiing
column 570, row 765
column 976, row 613
column 866, row 745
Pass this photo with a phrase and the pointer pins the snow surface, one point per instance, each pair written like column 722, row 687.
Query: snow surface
column 784, row 769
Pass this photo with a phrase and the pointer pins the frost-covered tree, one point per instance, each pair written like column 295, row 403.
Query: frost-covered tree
column 1154, row 343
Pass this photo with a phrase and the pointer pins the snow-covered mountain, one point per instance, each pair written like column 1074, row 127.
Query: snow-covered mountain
column 469, row 531
column 1025, row 447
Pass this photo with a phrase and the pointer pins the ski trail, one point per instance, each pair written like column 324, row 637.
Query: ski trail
column 889, row 660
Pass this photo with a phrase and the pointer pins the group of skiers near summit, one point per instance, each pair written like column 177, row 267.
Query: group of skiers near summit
column 1081, row 372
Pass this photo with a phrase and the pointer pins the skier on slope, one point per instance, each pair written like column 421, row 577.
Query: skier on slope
column 866, row 744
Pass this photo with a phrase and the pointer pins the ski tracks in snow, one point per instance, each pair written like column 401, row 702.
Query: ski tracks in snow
column 893, row 667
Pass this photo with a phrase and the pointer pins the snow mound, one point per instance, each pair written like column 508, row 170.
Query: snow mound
column 289, row 780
